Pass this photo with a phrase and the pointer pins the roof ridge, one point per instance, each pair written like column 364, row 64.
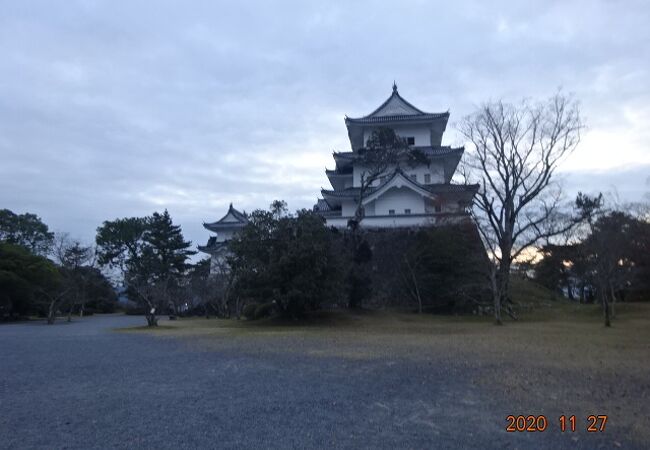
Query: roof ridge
column 393, row 95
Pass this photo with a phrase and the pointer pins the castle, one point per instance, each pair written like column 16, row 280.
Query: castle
column 404, row 196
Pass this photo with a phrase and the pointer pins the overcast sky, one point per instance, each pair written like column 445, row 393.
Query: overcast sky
column 118, row 108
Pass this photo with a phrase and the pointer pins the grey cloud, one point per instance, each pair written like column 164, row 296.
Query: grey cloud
column 111, row 109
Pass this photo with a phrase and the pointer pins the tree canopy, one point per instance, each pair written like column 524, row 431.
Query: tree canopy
column 24, row 278
column 152, row 256
column 287, row 260
column 27, row 230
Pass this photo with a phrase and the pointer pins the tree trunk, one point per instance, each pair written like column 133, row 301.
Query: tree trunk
column 51, row 312
column 152, row 320
column 606, row 310
column 569, row 289
column 237, row 308
column 503, row 286
column 613, row 305
column 496, row 295
column 415, row 285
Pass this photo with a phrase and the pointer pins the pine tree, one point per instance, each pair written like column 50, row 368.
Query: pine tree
column 164, row 263
column 166, row 251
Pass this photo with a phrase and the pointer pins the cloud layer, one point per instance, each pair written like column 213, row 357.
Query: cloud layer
column 110, row 109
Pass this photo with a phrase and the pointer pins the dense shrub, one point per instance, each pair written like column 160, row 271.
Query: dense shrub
column 289, row 260
column 264, row 310
column 441, row 269
column 291, row 265
column 249, row 310
column 25, row 280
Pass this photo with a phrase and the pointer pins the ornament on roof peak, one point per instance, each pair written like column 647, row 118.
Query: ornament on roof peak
column 394, row 87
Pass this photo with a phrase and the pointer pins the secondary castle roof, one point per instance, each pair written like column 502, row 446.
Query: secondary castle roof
column 232, row 219
column 212, row 246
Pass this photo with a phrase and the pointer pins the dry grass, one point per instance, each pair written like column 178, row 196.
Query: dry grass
column 557, row 359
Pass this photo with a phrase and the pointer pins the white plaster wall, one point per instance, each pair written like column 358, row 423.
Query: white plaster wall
column 448, row 205
column 224, row 235
column 434, row 169
column 357, row 170
column 421, row 133
column 347, row 208
column 401, row 221
column 399, row 199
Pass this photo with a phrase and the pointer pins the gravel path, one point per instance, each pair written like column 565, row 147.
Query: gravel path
column 83, row 385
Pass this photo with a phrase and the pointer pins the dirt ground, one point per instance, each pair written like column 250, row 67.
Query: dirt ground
column 558, row 359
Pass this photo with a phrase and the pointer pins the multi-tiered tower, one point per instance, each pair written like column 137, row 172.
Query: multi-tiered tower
column 406, row 195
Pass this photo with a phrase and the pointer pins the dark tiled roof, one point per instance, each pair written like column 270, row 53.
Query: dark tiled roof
column 211, row 246
column 448, row 187
column 338, row 173
column 398, row 118
column 433, row 188
column 441, row 151
column 321, row 205
column 396, row 109
column 427, row 150
column 222, row 223
column 346, row 193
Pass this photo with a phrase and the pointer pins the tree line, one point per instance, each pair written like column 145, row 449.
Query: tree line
column 606, row 260
column 290, row 264
column 46, row 274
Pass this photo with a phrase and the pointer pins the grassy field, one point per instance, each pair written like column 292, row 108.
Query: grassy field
column 557, row 359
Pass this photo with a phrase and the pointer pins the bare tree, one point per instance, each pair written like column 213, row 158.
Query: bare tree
column 411, row 274
column 222, row 281
column 211, row 284
column 75, row 259
column 54, row 301
column 383, row 153
column 614, row 251
column 514, row 152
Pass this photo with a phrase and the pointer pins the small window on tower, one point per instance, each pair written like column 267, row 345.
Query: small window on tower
column 391, row 212
column 407, row 211
column 410, row 140
column 427, row 178
column 413, row 177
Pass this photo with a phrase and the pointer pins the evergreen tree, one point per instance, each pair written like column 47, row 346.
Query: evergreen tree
column 26, row 230
column 152, row 255
column 165, row 250
column 25, row 281
column 120, row 243
column 159, row 274
column 289, row 261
